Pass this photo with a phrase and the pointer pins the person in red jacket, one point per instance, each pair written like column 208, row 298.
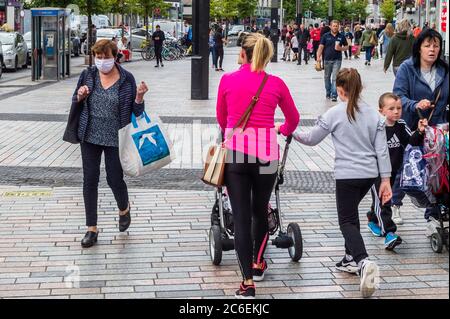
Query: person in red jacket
column 315, row 37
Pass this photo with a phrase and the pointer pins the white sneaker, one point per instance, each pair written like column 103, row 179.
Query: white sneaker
column 396, row 218
column 432, row 226
column 370, row 278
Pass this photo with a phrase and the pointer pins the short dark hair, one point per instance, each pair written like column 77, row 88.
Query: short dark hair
column 428, row 34
column 158, row 26
column 387, row 95
column 316, row 25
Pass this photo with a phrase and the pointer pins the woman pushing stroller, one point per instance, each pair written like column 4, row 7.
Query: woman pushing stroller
column 252, row 161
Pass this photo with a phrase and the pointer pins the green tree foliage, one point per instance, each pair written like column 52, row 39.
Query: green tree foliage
column 387, row 9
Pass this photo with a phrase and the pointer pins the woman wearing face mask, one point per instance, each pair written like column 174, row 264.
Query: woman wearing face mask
column 108, row 95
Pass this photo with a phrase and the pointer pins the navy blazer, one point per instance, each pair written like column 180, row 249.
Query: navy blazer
column 127, row 97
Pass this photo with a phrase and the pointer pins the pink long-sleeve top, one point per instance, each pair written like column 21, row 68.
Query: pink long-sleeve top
column 259, row 139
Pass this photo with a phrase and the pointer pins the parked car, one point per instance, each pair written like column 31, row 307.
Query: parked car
column 235, row 30
column 111, row 33
column 15, row 50
column 1, row 59
column 27, row 38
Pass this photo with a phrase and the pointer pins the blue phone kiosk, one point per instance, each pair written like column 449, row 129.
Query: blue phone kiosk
column 50, row 44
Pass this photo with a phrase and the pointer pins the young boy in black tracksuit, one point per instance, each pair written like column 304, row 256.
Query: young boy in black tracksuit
column 398, row 137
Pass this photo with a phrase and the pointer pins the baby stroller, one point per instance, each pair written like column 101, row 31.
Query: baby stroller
column 435, row 177
column 221, row 232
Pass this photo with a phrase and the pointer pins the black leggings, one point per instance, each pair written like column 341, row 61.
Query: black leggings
column 382, row 214
column 349, row 194
column 219, row 57
column 91, row 155
column 158, row 54
column 249, row 185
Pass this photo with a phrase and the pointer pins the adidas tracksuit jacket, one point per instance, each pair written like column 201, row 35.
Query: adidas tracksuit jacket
column 398, row 137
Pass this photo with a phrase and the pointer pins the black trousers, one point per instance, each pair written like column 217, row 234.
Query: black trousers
column 349, row 194
column 249, row 185
column 219, row 57
column 315, row 48
column 382, row 214
column 158, row 54
column 91, row 156
column 303, row 48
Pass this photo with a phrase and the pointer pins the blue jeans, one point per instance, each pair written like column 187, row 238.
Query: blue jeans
column 369, row 53
column 212, row 51
column 331, row 70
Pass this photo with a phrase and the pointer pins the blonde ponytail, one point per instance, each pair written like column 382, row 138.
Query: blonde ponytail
column 259, row 51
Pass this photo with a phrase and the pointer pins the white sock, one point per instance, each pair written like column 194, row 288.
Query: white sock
column 348, row 257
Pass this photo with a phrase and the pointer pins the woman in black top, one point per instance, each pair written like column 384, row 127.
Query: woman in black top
column 218, row 44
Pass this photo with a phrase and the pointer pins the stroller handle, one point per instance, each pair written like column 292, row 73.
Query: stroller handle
column 289, row 139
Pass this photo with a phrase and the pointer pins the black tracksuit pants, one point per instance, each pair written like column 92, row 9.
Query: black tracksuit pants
column 382, row 214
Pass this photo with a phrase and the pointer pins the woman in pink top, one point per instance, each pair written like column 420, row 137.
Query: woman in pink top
column 252, row 165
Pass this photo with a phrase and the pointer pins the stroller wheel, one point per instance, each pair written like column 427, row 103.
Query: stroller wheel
column 296, row 250
column 436, row 243
column 215, row 245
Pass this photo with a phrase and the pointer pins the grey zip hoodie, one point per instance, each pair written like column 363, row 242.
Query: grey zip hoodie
column 360, row 146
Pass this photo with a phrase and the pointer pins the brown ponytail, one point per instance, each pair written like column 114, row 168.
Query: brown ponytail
column 350, row 81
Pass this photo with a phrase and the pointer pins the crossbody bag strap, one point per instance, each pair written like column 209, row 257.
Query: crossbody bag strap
column 246, row 116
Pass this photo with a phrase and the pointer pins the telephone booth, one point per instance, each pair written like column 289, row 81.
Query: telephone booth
column 50, row 44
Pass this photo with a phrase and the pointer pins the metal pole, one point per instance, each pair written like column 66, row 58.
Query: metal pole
column 330, row 11
column 281, row 15
column 427, row 12
column 274, row 28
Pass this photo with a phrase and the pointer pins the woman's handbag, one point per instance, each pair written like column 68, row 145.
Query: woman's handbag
column 71, row 132
column 214, row 171
column 373, row 39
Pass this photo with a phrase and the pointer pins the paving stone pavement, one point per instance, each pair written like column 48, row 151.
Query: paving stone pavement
column 165, row 254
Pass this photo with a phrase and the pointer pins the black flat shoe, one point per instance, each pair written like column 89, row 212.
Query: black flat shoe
column 125, row 221
column 89, row 239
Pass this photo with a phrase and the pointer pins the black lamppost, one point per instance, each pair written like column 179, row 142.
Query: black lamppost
column 200, row 50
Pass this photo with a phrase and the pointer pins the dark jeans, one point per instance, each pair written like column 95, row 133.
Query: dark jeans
column 219, row 57
column 369, row 53
column 91, row 156
column 382, row 214
column 249, row 189
column 158, row 54
column 212, row 51
column 349, row 193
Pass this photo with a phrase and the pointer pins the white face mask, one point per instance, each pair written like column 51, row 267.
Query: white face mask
column 104, row 65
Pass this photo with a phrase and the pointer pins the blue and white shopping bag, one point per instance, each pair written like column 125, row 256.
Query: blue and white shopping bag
column 144, row 146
